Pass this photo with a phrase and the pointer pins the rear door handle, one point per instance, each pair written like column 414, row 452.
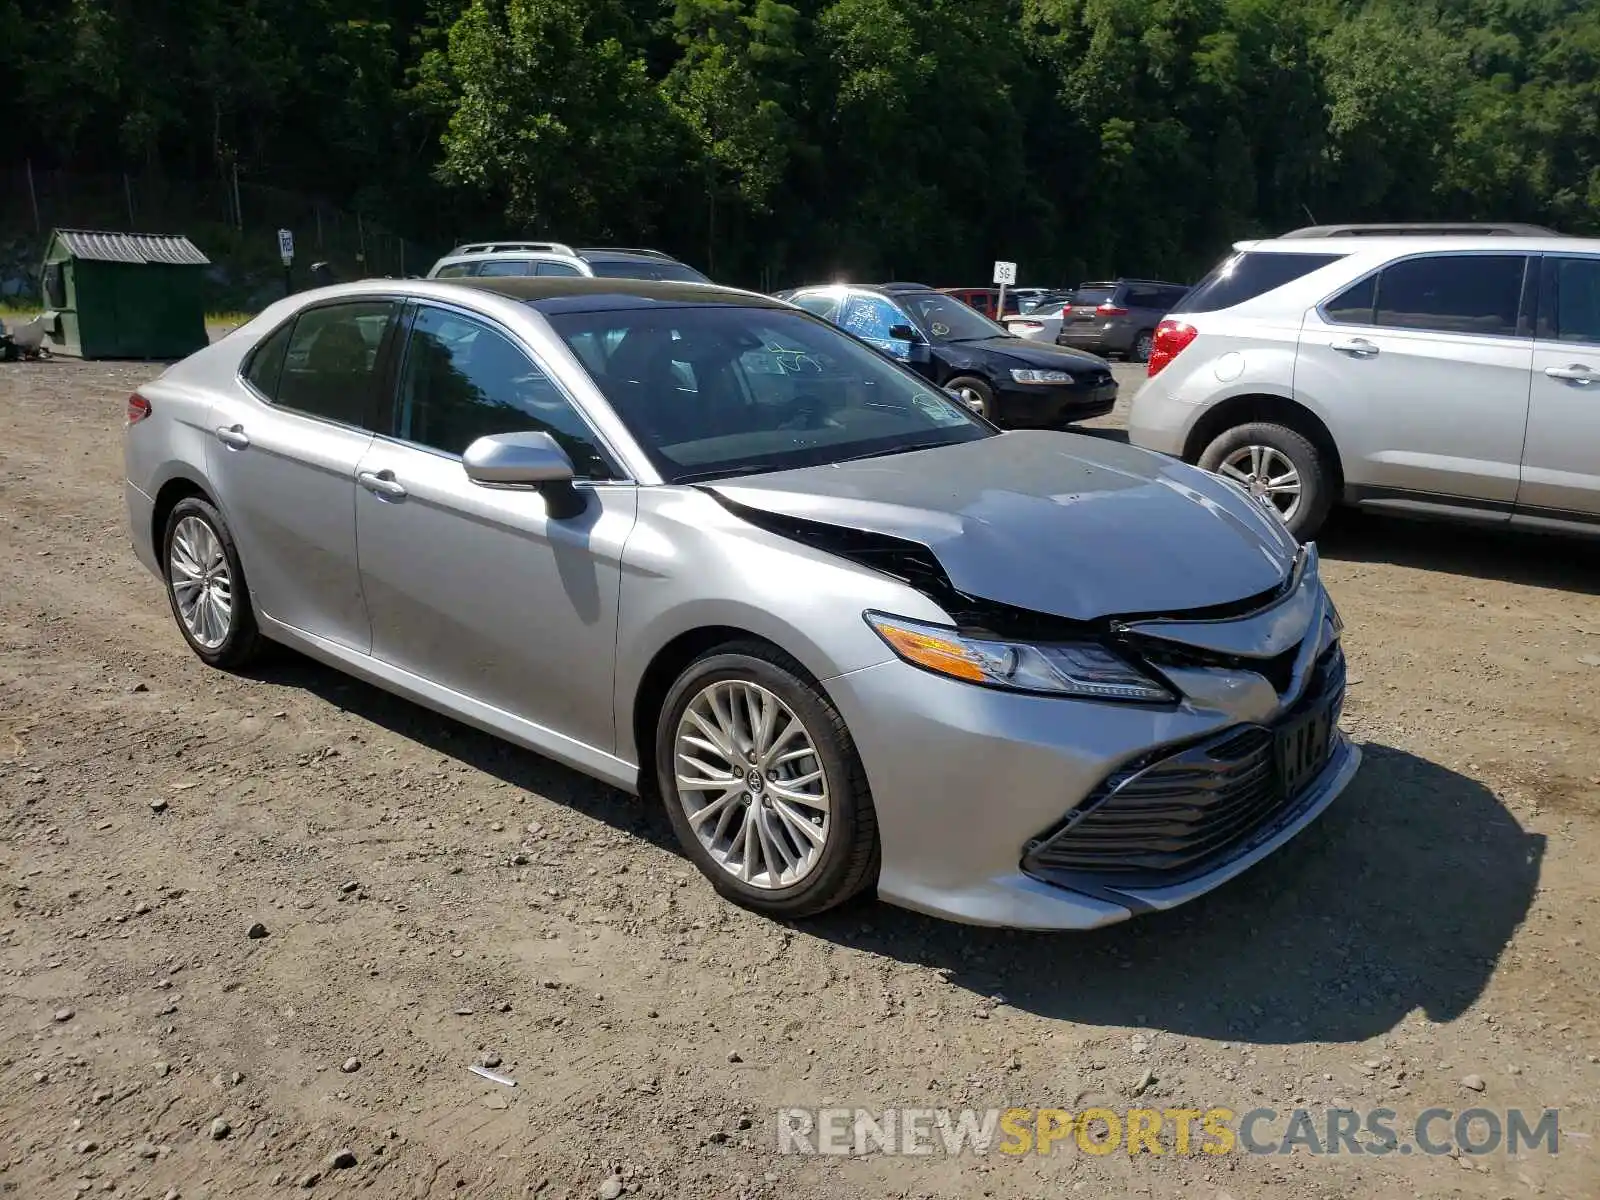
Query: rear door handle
column 1360, row 347
column 1576, row 373
column 382, row 483
column 233, row 436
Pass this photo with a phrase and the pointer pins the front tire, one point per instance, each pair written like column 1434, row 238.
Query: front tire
column 975, row 393
column 206, row 587
column 763, row 785
column 1281, row 468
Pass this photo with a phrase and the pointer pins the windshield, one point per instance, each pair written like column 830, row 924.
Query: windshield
column 947, row 318
column 724, row 390
column 629, row 268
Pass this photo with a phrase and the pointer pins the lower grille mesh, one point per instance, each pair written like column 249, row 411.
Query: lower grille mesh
column 1175, row 818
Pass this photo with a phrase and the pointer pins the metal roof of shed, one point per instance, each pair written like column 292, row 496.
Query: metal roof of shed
column 101, row 246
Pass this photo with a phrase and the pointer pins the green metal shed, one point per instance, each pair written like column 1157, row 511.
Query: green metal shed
column 125, row 295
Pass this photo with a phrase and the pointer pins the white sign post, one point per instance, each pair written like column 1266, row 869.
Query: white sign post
column 286, row 252
column 1005, row 273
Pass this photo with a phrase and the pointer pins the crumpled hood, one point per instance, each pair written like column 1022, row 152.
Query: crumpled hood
column 1056, row 523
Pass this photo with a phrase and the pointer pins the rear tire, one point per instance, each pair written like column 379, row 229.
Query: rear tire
column 977, row 394
column 1280, row 465
column 206, row 588
column 814, row 827
column 1143, row 343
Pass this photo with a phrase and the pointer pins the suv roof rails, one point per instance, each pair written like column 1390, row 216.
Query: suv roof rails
column 495, row 247
column 1421, row 229
column 627, row 250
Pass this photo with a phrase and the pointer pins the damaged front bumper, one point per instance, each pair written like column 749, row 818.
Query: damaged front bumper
column 980, row 792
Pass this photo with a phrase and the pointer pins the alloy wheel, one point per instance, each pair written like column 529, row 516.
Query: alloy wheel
column 202, row 584
column 1268, row 475
column 972, row 398
column 751, row 784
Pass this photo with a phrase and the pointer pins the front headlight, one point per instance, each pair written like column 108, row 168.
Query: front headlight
column 1029, row 375
column 1082, row 669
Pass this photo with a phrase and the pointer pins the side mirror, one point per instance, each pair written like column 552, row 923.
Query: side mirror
column 525, row 460
column 904, row 333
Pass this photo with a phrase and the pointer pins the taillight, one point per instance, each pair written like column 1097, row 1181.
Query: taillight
column 1033, row 326
column 138, row 408
column 1171, row 339
column 1111, row 310
column 1066, row 308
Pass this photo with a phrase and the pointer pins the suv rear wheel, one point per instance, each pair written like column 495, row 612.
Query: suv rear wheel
column 1142, row 345
column 1280, row 468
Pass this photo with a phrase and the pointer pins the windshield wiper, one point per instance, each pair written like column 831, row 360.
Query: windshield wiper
column 905, row 449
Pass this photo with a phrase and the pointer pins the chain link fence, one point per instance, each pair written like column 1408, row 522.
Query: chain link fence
column 235, row 223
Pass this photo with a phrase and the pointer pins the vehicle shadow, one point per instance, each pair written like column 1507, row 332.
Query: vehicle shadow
column 1569, row 564
column 447, row 737
column 1402, row 896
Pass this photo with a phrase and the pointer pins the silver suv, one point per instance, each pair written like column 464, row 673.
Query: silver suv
column 556, row 260
column 1428, row 372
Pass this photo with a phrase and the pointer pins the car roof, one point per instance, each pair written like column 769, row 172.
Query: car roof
column 1421, row 244
column 555, row 294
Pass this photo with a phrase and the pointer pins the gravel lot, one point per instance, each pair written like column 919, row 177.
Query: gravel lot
column 431, row 898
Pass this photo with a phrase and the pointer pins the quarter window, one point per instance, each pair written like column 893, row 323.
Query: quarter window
column 453, row 271
column 1571, row 304
column 463, row 380
column 1460, row 293
column 331, row 360
column 266, row 361
column 1249, row 274
column 557, row 269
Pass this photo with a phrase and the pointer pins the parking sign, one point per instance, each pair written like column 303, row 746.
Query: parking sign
column 1005, row 273
column 285, row 246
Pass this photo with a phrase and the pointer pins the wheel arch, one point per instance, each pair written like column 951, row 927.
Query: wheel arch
column 667, row 664
column 167, row 497
column 1261, row 406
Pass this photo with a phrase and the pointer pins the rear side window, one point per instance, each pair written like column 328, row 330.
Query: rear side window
column 557, row 269
column 1456, row 293
column 332, row 361
column 1245, row 276
column 453, row 271
column 821, row 304
column 266, row 362
column 1570, row 308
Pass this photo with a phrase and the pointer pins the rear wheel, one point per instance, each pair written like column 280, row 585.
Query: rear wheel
column 1142, row 345
column 206, row 588
column 763, row 785
column 975, row 393
column 1280, row 468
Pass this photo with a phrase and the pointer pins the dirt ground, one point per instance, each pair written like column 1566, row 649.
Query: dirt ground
column 431, row 897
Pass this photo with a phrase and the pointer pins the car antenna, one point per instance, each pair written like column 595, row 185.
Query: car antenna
column 1307, row 210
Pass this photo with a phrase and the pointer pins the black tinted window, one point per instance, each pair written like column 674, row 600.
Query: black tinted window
column 1245, row 276
column 463, row 380
column 1172, row 296
column 266, row 362
column 653, row 268
column 332, row 359
column 1571, row 304
column 1462, row 293
column 557, row 269
column 1354, row 305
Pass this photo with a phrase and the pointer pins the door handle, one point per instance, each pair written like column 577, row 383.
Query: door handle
column 233, row 436
column 382, row 483
column 1577, row 373
column 1359, row 347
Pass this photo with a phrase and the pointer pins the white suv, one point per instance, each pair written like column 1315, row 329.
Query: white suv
column 478, row 259
column 1420, row 370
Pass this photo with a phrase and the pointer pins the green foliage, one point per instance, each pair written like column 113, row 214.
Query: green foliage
column 774, row 141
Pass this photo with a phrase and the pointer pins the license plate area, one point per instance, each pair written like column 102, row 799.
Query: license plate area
column 1301, row 747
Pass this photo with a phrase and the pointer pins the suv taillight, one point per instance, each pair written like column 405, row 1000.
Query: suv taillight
column 138, row 408
column 1111, row 310
column 1171, row 339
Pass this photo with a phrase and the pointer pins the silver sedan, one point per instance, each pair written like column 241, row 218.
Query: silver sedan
column 706, row 547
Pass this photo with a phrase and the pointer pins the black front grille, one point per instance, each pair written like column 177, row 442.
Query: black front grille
column 1164, row 821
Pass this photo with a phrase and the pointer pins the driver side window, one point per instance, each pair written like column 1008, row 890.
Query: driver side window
column 463, row 380
column 871, row 318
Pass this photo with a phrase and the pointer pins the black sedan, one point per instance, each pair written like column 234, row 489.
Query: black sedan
column 1014, row 382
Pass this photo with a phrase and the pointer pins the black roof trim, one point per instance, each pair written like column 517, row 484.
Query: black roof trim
column 573, row 294
column 1422, row 229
